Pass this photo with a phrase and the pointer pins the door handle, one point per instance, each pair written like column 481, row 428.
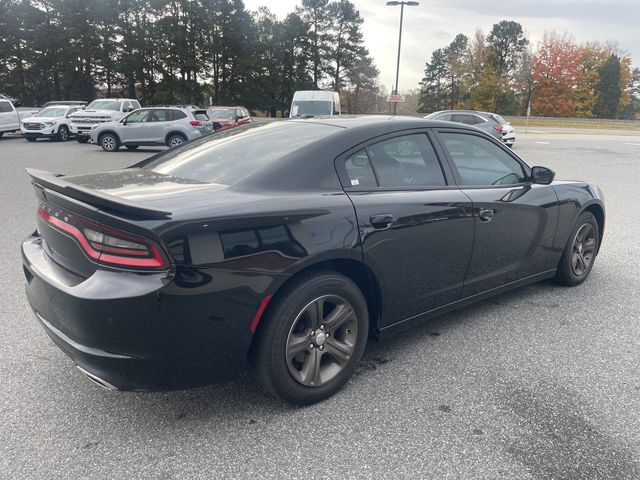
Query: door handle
column 381, row 220
column 485, row 214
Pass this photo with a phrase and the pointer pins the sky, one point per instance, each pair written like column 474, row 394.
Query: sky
column 434, row 24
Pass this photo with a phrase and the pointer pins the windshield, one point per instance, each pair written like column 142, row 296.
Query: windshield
column 105, row 105
column 221, row 113
column 310, row 107
column 227, row 157
column 53, row 112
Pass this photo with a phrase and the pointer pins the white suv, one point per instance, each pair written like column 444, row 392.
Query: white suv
column 50, row 122
column 170, row 126
column 100, row 111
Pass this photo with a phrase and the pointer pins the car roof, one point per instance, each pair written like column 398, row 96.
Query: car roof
column 480, row 112
column 224, row 107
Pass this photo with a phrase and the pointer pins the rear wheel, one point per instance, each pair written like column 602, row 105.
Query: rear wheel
column 580, row 251
column 1, row 134
column 82, row 139
column 109, row 142
column 312, row 339
column 132, row 147
column 175, row 140
column 63, row 134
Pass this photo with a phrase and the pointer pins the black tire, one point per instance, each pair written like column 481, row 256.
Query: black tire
column 175, row 140
column 82, row 139
column 272, row 366
column 30, row 139
column 109, row 142
column 63, row 134
column 132, row 147
column 1, row 134
column 580, row 251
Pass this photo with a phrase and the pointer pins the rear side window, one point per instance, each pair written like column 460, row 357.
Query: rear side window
column 178, row 115
column 135, row 104
column 159, row 116
column 5, row 107
column 360, row 171
column 229, row 156
column 466, row 118
column 406, row 161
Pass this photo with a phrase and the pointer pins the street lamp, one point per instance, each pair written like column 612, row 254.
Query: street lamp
column 402, row 4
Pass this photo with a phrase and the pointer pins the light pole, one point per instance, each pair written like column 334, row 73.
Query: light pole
column 402, row 4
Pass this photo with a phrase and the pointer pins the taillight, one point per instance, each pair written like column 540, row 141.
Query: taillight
column 195, row 123
column 107, row 246
column 498, row 127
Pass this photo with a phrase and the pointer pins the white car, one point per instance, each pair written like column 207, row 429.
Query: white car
column 100, row 111
column 50, row 122
column 10, row 117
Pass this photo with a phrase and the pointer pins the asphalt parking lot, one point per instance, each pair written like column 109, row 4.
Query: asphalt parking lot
column 542, row 382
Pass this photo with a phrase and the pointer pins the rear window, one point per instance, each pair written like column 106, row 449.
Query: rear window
column 178, row 114
column 227, row 157
column 201, row 115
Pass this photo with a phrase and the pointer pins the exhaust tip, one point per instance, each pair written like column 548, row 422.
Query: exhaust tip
column 97, row 380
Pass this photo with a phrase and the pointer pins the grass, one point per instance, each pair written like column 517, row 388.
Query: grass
column 568, row 123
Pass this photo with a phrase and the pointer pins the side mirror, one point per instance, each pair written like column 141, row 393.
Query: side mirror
column 542, row 175
column 124, row 121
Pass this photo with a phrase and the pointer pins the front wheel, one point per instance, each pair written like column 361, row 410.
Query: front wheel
column 580, row 251
column 63, row 134
column 312, row 339
column 109, row 142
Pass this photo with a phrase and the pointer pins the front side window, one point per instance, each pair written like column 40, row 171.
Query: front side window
column 5, row 107
column 138, row 116
column 406, row 161
column 480, row 162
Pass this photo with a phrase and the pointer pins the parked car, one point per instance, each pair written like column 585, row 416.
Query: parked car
column 236, row 249
column 100, row 111
column 227, row 117
column 313, row 103
column 491, row 123
column 16, row 103
column 74, row 103
column 152, row 126
column 50, row 122
column 10, row 116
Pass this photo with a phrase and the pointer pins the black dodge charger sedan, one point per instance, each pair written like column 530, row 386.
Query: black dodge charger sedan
column 286, row 245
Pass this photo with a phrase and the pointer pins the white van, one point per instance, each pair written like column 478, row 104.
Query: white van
column 313, row 103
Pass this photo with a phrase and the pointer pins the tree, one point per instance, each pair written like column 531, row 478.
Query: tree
column 609, row 91
column 345, row 40
column 315, row 14
column 456, row 55
column 434, row 84
column 509, row 44
column 556, row 70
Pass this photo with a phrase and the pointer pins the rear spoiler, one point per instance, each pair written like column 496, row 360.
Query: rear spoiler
column 57, row 183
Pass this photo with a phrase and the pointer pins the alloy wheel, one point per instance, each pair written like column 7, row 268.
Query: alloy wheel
column 64, row 134
column 321, row 340
column 583, row 249
column 108, row 143
column 175, row 141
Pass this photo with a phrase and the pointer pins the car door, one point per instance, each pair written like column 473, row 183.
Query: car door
column 158, row 122
column 133, row 128
column 8, row 118
column 416, row 227
column 515, row 220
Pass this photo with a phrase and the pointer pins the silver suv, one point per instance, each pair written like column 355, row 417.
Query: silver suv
column 170, row 126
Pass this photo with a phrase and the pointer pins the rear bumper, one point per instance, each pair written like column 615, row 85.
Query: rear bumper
column 137, row 331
